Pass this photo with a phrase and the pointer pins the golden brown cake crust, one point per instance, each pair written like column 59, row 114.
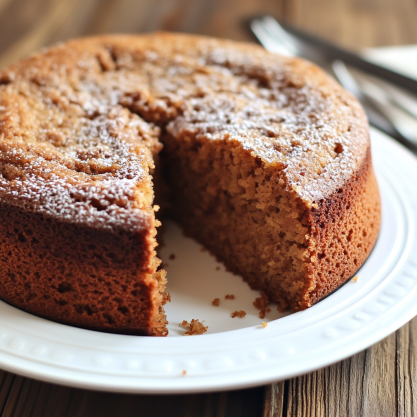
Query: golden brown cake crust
column 75, row 274
column 285, row 110
column 344, row 229
column 80, row 125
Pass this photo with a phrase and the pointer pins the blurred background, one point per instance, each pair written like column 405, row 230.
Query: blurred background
column 26, row 25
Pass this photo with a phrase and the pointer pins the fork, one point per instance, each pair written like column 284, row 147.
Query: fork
column 387, row 107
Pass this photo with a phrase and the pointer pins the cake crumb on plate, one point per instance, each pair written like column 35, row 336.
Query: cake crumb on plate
column 240, row 314
column 184, row 372
column 172, row 256
column 260, row 303
column 195, row 327
column 355, row 278
column 264, row 324
column 216, row 302
column 229, row 297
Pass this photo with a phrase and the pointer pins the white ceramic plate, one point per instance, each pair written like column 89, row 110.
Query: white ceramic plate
column 237, row 352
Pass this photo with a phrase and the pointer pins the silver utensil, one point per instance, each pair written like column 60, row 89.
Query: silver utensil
column 314, row 49
column 404, row 122
column 387, row 108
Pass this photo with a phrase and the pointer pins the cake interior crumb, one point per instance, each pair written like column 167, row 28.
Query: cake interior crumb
column 238, row 193
column 260, row 303
column 229, row 297
column 195, row 327
column 282, row 308
column 240, row 314
column 216, row 302
column 264, row 324
column 355, row 278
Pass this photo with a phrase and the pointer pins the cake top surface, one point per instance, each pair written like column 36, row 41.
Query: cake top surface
column 80, row 121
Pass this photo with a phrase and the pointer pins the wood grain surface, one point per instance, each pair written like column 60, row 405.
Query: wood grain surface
column 381, row 381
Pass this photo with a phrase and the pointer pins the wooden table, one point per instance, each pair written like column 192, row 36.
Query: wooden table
column 381, row 381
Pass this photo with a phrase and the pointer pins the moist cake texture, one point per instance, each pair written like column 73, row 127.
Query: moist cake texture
column 262, row 158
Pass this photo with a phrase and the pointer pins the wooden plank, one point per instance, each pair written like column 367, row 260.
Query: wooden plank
column 4, row 4
column 246, row 403
column 379, row 391
column 356, row 366
column 274, row 400
column 356, row 23
column 364, row 385
column 227, row 19
column 406, row 339
column 122, row 16
column 6, row 382
column 76, row 23
column 306, row 395
column 30, row 398
column 51, row 20
column 221, row 18
column 336, row 390
column 17, row 19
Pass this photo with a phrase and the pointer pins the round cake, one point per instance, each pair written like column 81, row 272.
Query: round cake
column 264, row 159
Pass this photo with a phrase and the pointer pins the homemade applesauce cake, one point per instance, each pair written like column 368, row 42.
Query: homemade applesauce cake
column 263, row 159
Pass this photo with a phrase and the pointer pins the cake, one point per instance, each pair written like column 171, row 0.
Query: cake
column 264, row 159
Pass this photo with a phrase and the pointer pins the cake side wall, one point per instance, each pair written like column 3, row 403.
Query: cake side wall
column 344, row 229
column 77, row 275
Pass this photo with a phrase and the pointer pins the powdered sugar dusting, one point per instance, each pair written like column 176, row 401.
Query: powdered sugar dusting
column 80, row 122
